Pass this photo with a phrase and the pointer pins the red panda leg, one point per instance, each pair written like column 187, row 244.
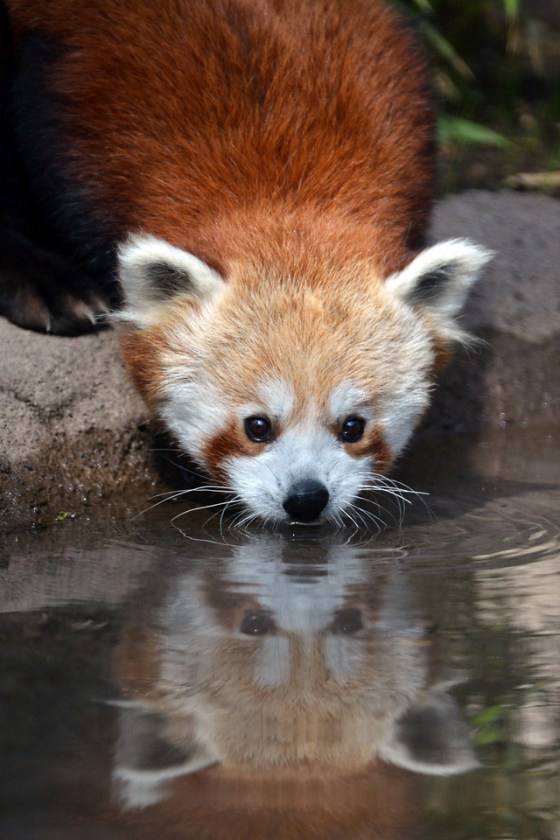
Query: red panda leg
column 41, row 285
column 40, row 290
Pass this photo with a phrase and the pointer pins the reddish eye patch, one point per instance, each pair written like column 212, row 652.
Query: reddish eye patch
column 230, row 442
column 372, row 444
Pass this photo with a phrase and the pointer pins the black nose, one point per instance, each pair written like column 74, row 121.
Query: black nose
column 306, row 501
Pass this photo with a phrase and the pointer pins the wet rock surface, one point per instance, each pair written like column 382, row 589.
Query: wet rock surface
column 71, row 427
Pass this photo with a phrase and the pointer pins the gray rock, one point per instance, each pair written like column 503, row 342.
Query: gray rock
column 514, row 377
column 70, row 426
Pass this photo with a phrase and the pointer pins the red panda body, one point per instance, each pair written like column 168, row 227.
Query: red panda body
column 261, row 171
column 192, row 120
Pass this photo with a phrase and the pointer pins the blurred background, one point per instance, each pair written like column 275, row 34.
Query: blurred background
column 497, row 72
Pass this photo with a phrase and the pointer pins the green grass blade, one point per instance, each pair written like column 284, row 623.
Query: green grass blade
column 424, row 6
column 446, row 50
column 512, row 9
column 458, row 130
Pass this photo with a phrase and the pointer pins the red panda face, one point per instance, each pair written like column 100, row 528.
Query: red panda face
column 295, row 395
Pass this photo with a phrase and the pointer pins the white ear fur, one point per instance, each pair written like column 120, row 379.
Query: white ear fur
column 438, row 281
column 431, row 738
column 145, row 760
column 152, row 272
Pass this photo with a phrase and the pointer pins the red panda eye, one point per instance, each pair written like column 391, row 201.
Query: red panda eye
column 258, row 429
column 256, row 624
column 352, row 429
column 348, row 621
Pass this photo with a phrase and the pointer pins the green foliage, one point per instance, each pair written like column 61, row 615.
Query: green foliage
column 458, row 130
column 497, row 72
column 489, row 725
column 512, row 9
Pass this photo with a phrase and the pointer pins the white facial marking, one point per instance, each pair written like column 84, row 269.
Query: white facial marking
column 194, row 413
column 340, row 657
column 299, row 608
column 278, row 396
column 347, row 399
column 276, row 399
column 296, row 606
column 272, row 662
column 401, row 416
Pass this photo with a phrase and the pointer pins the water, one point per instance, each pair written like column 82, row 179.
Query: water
column 209, row 683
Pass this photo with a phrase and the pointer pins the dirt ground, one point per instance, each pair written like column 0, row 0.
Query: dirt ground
column 73, row 433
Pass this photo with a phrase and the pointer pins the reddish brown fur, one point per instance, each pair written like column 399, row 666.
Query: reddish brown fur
column 442, row 356
column 373, row 445
column 227, row 444
column 380, row 803
column 188, row 119
column 229, row 606
column 142, row 356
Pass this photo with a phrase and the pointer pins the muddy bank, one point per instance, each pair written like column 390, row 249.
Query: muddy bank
column 71, row 428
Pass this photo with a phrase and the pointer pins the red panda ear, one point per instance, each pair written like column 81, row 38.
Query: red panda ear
column 152, row 273
column 438, row 281
column 145, row 759
column 431, row 738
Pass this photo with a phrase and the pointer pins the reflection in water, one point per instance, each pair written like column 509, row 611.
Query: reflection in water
column 287, row 678
column 301, row 678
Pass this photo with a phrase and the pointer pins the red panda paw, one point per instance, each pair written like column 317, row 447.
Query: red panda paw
column 52, row 297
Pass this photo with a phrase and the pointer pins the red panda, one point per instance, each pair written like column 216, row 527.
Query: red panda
column 258, row 174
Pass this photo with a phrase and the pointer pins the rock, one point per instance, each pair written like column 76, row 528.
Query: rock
column 513, row 378
column 69, row 426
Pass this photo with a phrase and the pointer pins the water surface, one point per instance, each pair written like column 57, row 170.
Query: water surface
column 213, row 682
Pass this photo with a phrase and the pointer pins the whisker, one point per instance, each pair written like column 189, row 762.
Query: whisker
column 215, row 488
column 398, row 491
column 243, row 519
column 169, row 495
column 368, row 514
column 351, row 518
column 221, row 514
column 191, row 467
column 195, row 509
column 210, row 488
column 385, row 483
column 391, row 514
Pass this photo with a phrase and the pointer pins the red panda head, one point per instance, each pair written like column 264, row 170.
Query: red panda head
column 295, row 392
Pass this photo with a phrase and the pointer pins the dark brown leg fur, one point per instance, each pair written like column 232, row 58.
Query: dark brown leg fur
column 41, row 286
